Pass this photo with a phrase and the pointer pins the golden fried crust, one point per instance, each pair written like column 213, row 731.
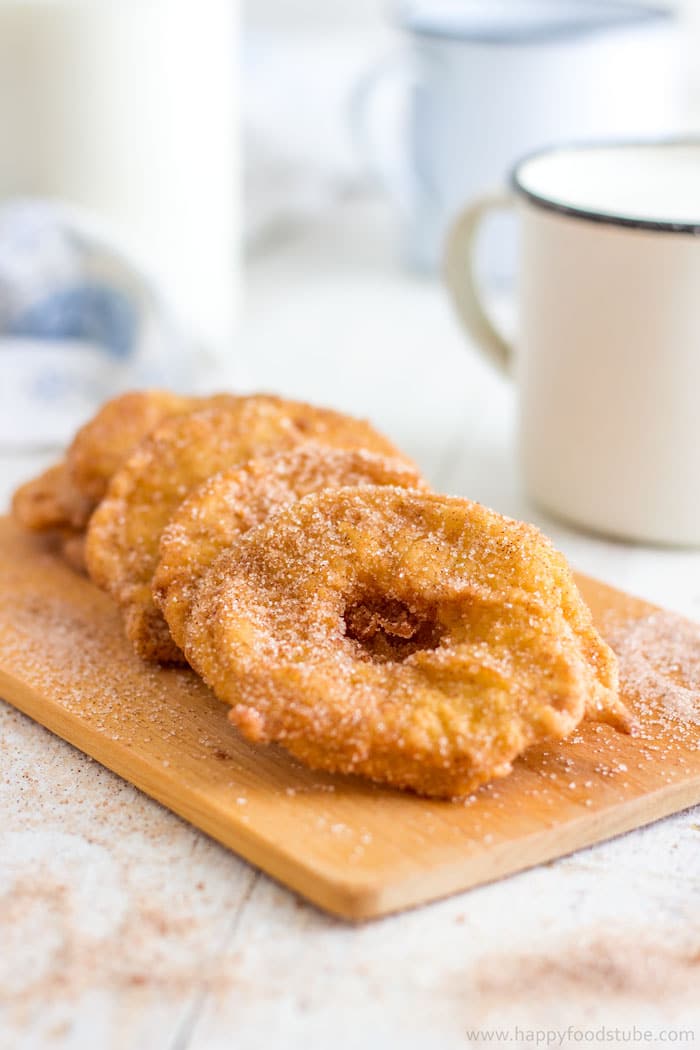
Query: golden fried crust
column 105, row 442
column 420, row 640
column 48, row 501
column 100, row 447
column 66, row 494
column 73, row 551
column 36, row 503
column 230, row 503
column 125, row 531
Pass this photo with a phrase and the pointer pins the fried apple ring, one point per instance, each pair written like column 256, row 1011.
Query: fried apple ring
column 45, row 502
column 39, row 505
column 36, row 504
column 66, row 494
column 101, row 446
column 230, row 503
column 125, row 530
column 420, row 640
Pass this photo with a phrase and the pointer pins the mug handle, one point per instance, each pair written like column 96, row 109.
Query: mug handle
column 459, row 270
column 394, row 175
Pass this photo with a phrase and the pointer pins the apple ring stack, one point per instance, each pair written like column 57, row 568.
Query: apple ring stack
column 59, row 502
column 124, row 532
column 301, row 565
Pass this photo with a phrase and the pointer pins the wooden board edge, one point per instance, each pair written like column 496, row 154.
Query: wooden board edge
column 349, row 899
column 514, row 857
column 353, row 899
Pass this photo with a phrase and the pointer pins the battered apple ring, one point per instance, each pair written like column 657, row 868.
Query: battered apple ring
column 230, row 503
column 36, row 504
column 420, row 640
column 44, row 503
column 39, row 505
column 125, row 530
column 66, row 494
column 101, row 446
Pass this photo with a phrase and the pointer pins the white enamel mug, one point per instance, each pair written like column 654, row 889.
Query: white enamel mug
column 607, row 353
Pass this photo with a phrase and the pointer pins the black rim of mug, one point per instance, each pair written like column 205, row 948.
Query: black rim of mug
column 590, row 214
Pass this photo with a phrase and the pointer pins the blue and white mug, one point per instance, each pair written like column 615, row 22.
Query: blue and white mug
column 492, row 80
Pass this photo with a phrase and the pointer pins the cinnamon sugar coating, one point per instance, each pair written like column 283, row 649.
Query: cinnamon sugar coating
column 66, row 494
column 101, row 446
column 49, row 501
column 125, row 531
column 228, row 504
column 420, row 640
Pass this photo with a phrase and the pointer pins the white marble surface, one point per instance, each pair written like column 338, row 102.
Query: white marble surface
column 122, row 927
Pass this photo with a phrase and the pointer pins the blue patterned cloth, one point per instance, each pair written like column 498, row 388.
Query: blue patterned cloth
column 79, row 321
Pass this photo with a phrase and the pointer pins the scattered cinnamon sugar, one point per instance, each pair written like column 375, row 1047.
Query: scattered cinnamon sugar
column 609, row 962
column 659, row 658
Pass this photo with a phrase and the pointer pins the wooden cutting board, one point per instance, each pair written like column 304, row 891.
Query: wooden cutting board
column 348, row 846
